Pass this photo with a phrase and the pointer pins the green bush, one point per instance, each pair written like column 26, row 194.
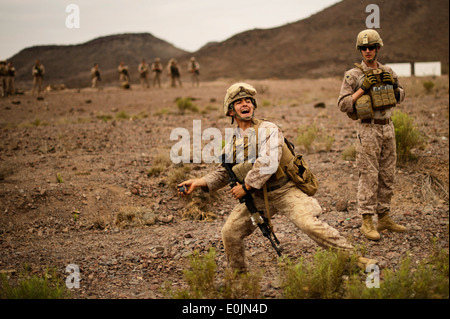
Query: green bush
column 184, row 104
column 428, row 85
column 426, row 280
column 307, row 135
column 203, row 284
column 324, row 278
column 406, row 135
column 47, row 286
column 349, row 154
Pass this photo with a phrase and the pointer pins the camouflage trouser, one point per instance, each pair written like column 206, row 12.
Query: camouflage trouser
column 375, row 159
column 157, row 79
column 290, row 201
column 37, row 84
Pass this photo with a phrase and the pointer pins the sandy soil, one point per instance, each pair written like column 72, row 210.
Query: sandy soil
column 109, row 149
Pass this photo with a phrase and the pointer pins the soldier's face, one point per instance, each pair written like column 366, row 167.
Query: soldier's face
column 244, row 107
column 369, row 52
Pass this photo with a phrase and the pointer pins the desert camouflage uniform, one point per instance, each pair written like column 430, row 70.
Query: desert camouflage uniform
column 10, row 79
column 3, row 76
column 194, row 69
column 157, row 70
column 95, row 76
column 143, row 73
column 376, row 149
column 37, row 72
column 124, row 77
column 288, row 199
column 173, row 71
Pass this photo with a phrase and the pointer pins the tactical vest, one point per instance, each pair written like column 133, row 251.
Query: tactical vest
column 291, row 166
column 380, row 96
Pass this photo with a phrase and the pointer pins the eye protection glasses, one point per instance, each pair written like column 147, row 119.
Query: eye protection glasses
column 370, row 47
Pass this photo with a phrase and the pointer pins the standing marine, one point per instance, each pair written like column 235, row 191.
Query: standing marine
column 157, row 70
column 143, row 74
column 194, row 70
column 37, row 72
column 368, row 95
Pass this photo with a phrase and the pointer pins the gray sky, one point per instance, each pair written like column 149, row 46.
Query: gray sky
column 187, row 24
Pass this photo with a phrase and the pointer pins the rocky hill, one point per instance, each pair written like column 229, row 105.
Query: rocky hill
column 321, row 45
column 324, row 44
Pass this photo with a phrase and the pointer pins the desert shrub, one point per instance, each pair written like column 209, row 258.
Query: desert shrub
column 428, row 86
column 46, row 286
column 198, row 207
column 134, row 217
column 349, row 154
column 307, row 135
column 178, row 174
column 203, row 282
column 160, row 162
column 407, row 136
column 122, row 115
column 185, row 103
column 428, row 279
column 104, row 117
column 324, row 277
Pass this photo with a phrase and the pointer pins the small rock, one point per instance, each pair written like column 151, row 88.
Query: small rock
column 342, row 206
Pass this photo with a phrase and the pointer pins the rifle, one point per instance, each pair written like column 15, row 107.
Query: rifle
column 257, row 217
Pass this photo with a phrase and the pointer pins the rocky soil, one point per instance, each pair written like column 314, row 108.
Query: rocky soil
column 85, row 179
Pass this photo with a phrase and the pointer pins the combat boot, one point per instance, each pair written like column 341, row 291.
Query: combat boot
column 368, row 229
column 385, row 222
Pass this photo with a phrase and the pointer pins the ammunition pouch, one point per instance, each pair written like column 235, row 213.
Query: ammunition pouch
column 383, row 96
column 363, row 106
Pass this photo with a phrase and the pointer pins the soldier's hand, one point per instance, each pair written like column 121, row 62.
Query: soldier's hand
column 387, row 77
column 237, row 191
column 369, row 80
column 187, row 187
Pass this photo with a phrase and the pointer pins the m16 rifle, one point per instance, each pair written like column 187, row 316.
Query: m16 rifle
column 257, row 217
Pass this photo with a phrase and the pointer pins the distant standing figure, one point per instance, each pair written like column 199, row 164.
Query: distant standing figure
column 143, row 74
column 174, row 73
column 3, row 75
column 95, row 75
column 10, row 79
column 37, row 72
column 194, row 69
column 124, row 77
column 157, row 70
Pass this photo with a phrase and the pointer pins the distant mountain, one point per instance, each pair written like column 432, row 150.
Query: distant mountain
column 324, row 44
column 319, row 46
column 71, row 64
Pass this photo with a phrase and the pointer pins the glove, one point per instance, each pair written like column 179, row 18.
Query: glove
column 387, row 77
column 369, row 80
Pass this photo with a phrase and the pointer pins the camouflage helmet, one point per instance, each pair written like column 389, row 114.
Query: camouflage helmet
column 368, row 37
column 236, row 92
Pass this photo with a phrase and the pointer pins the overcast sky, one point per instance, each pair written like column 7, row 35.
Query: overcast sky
column 187, row 24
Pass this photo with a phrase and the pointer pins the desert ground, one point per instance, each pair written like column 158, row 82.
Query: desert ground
column 77, row 164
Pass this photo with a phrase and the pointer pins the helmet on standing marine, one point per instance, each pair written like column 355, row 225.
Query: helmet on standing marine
column 368, row 37
column 236, row 92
